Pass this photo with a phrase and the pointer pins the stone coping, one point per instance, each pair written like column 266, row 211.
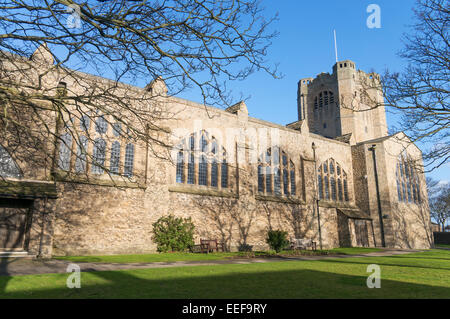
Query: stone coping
column 332, row 204
column 27, row 189
column 61, row 176
column 279, row 199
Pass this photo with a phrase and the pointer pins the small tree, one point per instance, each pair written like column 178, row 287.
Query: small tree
column 173, row 233
column 277, row 240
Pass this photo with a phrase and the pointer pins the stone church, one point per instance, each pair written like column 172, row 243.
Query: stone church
column 334, row 176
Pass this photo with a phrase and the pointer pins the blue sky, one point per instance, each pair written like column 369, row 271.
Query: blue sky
column 305, row 48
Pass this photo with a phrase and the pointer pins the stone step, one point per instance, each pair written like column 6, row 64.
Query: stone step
column 15, row 254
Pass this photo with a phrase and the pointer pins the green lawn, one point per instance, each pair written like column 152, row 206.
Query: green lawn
column 169, row 257
column 442, row 246
column 418, row 275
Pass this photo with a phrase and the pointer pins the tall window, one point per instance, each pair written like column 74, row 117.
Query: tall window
column 115, row 157
column 191, row 168
column 129, row 160
column 214, row 172
column 332, row 182
column 85, row 122
column 180, row 167
column 8, row 167
column 98, row 156
column 101, row 125
column 117, row 129
column 408, row 184
column 65, row 151
column 276, row 173
column 204, row 161
column 80, row 161
column 203, row 171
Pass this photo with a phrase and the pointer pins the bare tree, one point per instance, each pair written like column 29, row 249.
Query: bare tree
column 421, row 91
column 439, row 201
column 46, row 46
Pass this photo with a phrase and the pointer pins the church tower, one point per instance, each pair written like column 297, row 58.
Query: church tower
column 348, row 101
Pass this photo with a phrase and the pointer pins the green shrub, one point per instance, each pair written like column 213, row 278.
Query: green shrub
column 277, row 240
column 173, row 233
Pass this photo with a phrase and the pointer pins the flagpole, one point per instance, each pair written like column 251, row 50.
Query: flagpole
column 335, row 46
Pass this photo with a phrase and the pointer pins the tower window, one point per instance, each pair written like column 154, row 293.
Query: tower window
column 324, row 98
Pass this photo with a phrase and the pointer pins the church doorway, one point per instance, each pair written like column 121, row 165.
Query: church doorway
column 361, row 233
column 14, row 221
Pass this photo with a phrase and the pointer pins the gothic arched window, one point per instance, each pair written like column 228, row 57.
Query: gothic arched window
column 332, row 181
column 202, row 160
column 276, row 173
column 408, row 184
column 8, row 167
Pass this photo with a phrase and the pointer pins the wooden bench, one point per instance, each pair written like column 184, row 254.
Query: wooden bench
column 302, row 243
column 211, row 245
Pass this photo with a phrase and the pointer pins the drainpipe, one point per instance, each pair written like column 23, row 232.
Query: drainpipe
column 316, row 196
column 380, row 213
column 41, row 239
